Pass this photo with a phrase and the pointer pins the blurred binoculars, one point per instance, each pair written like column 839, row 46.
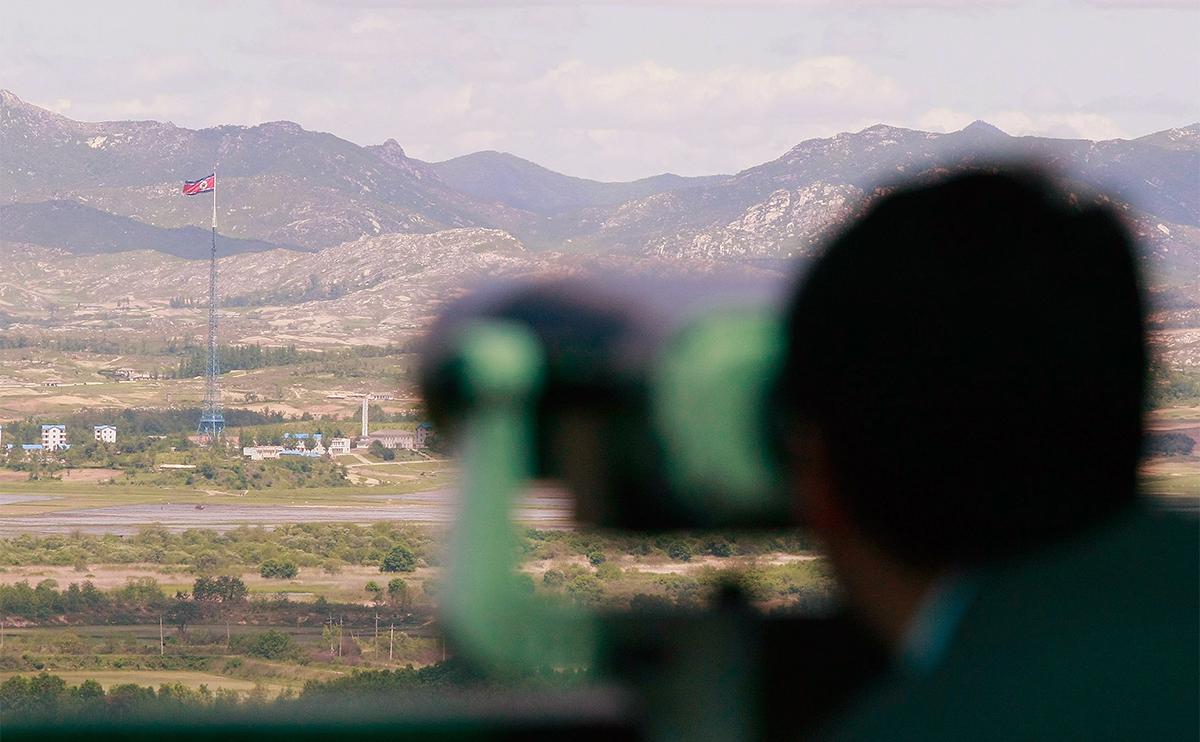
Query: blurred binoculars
column 649, row 401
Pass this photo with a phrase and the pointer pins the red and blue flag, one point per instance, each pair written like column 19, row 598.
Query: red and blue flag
column 204, row 185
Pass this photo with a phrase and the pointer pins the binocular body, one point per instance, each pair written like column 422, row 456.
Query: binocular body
column 652, row 408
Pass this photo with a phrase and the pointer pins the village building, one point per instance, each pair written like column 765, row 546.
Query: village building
column 105, row 433
column 262, row 453
column 303, row 452
column 309, row 445
column 402, row 439
column 132, row 374
column 54, row 437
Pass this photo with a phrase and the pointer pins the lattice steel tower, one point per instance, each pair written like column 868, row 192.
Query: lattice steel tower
column 212, row 420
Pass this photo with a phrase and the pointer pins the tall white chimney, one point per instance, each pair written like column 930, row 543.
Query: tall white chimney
column 366, row 398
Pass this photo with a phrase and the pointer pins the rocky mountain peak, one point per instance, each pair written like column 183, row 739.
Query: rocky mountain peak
column 392, row 147
column 1181, row 138
column 290, row 127
column 979, row 127
column 883, row 130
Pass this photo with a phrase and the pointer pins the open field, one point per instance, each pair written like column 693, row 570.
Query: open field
column 107, row 678
column 346, row 586
column 1175, row 477
column 129, row 654
column 413, row 492
column 316, row 387
column 62, row 507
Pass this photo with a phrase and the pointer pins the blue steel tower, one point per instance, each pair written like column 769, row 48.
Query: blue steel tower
column 212, row 420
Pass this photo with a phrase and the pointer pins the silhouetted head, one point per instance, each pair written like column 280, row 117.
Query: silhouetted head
column 971, row 355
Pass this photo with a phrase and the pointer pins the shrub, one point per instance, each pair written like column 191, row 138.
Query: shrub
column 397, row 591
column 553, row 578
column 205, row 563
column 585, row 589
column 596, row 558
column 270, row 645
column 680, row 552
column 226, row 588
column 1169, row 444
column 274, row 569
column 718, row 548
column 399, row 559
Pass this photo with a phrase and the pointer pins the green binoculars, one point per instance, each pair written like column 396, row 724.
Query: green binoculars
column 653, row 409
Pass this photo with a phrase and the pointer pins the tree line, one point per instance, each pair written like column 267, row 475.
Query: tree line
column 131, row 424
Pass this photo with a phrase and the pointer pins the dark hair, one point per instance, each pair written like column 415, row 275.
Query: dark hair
column 973, row 353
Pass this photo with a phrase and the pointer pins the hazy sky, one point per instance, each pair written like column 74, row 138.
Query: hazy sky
column 613, row 90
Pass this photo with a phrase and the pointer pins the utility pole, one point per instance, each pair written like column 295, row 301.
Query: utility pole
column 162, row 645
column 391, row 641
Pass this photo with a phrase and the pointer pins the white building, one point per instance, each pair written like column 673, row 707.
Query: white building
column 406, row 439
column 54, row 437
column 105, row 433
column 260, row 453
column 132, row 374
column 339, row 446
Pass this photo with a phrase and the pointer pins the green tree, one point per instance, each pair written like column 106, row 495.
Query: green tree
column 270, row 645
column 183, row 613
column 399, row 559
column 397, row 590
column 278, row 569
column 375, row 591
column 231, row 589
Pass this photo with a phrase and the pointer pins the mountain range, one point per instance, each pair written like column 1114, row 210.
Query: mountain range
column 287, row 186
column 87, row 188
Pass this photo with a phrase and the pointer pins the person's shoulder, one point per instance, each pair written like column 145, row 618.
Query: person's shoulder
column 1097, row 638
column 1141, row 565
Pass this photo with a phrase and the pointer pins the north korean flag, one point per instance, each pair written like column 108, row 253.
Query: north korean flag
column 204, row 185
